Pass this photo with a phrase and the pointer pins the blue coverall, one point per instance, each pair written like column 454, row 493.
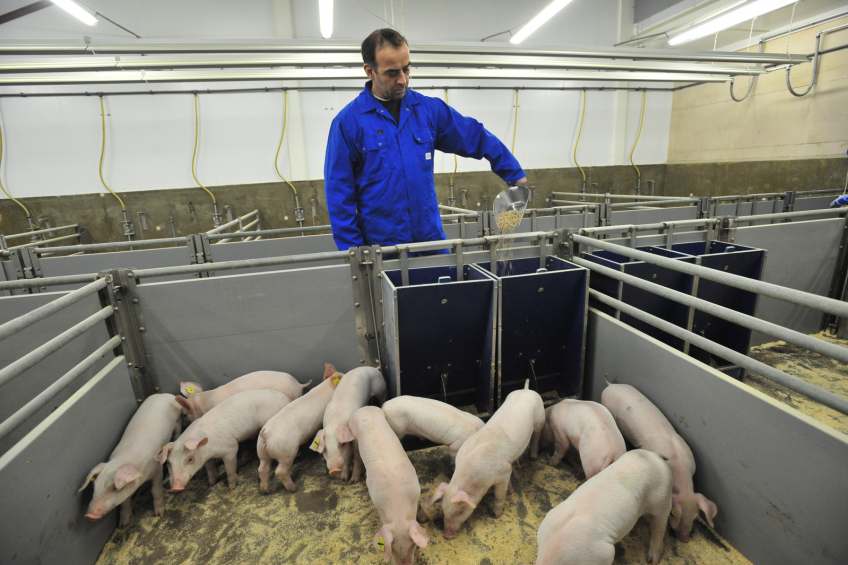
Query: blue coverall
column 378, row 174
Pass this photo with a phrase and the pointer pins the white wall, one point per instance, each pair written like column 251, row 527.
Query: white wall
column 51, row 146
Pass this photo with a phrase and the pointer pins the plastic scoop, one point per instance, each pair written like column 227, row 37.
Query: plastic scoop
column 513, row 198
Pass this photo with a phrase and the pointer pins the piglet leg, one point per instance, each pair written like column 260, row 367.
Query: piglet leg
column 211, row 471
column 283, row 474
column 230, row 464
column 158, row 493
column 357, row 463
column 655, row 548
column 264, row 472
column 561, row 445
column 421, row 516
column 126, row 513
column 500, row 497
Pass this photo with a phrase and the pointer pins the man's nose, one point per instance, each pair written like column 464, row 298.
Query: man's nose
column 403, row 78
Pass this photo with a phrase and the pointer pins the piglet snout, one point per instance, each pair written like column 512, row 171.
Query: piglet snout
column 335, row 471
column 93, row 515
column 449, row 534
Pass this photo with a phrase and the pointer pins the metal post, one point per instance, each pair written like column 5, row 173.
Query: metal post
column 460, row 275
column 404, row 265
column 363, row 307
column 669, row 234
column 375, row 277
column 543, row 252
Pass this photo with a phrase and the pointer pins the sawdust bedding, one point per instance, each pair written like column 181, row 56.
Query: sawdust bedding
column 327, row 521
column 824, row 372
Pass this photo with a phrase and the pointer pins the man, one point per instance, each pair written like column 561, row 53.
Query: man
column 378, row 170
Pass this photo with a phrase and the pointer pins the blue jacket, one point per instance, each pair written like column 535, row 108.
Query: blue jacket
column 378, row 175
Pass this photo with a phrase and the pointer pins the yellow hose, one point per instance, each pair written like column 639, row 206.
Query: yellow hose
column 102, row 151
column 641, row 121
column 582, row 116
column 1, row 183
column 515, row 128
column 455, row 163
column 285, row 113
column 193, row 155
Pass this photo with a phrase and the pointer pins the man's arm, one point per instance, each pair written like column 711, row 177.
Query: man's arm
column 468, row 138
column 340, row 190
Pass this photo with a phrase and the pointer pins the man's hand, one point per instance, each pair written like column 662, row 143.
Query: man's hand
column 521, row 182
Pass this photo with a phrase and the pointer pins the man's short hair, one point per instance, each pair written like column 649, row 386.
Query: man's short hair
column 378, row 39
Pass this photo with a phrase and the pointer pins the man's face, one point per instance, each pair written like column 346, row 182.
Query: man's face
column 391, row 77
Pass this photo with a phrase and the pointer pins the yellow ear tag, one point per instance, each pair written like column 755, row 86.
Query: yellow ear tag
column 336, row 381
column 316, row 443
column 672, row 511
column 190, row 389
column 92, row 479
column 432, row 492
column 381, row 544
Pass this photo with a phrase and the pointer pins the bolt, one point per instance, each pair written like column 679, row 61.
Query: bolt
column 141, row 329
column 123, row 338
column 352, row 253
column 384, row 324
column 129, row 365
column 444, row 301
column 156, row 388
column 541, row 290
column 116, row 307
column 356, row 304
column 135, row 300
column 655, row 276
column 362, row 361
column 378, row 250
column 354, row 277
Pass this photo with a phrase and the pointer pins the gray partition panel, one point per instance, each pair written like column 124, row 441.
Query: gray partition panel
column 654, row 215
column 283, row 247
column 216, row 329
column 42, row 512
column 30, row 383
column 96, row 262
column 801, row 255
column 777, row 476
column 814, row 202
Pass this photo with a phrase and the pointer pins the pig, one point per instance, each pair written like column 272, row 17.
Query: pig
column 392, row 485
column 588, row 427
column 584, row 528
column 645, row 427
column 335, row 441
column 217, row 434
column 430, row 419
column 295, row 424
column 132, row 462
column 485, row 459
column 198, row 402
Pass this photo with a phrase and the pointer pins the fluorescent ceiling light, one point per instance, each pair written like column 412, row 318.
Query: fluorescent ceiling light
column 325, row 13
column 547, row 13
column 747, row 12
column 76, row 11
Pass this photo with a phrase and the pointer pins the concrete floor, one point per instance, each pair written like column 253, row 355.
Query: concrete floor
column 326, row 521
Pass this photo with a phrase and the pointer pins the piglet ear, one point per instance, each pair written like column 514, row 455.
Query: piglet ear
column 318, row 443
column 709, row 507
column 184, row 404
column 92, row 475
column 329, row 371
column 383, row 542
column 435, row 495
column 189, row 388
column 461, row 497
column 125, row 475
column 418, row 534
column 676, row 513
column 344, row 435
column 193, row 444
column 163, row 454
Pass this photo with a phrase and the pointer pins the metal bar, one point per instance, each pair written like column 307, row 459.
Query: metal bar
column 801, row 387
column 222, row 227
column 471, row 213
column 39, row 232
column 45, row 241
column 105, row 246
column 655, row 203
column 621, row 196
column 282, row 231
column 30, row 318
column 50, row 281
column 11, row 423
column 477, row 49
column 445, row 217
column 244, row 228
column 233, row 265
column 460, row 274
column 449, row 243
column 787, row 215
column 404, row 265
column 16, row 368
column 799, row 297
column 790, row 336
column 625, row 228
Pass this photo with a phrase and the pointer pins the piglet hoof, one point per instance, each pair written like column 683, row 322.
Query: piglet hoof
column 291, row 487
column 158, row 510
column 123, row 523
column 653, row 557
column 265, row 489
column 509, row 489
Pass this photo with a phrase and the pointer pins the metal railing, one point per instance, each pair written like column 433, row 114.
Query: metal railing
column 40, row 353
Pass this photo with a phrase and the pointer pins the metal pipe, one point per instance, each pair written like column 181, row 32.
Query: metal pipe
column 626, row 228
column 250, row 225
column 11, row 423
column 235, row 222
column 39, row 354
column 243, row 264
column 793, row 383
column 654, row 203
column 821, row 303
column 47, row 281
column 114, row 245
column 614, row 196
column 788, row 215
column 39, row 232
column 790, row 336
column 282, row 231
column 46, row 241
column 30, row 318
column 444, row 217
column 575, row 208
column 460, row 210
column 450, row 243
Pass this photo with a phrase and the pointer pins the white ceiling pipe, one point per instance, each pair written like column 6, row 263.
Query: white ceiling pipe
column 123, row 77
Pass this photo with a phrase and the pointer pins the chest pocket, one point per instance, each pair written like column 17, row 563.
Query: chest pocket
column 425, row 141
column 375, row 163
